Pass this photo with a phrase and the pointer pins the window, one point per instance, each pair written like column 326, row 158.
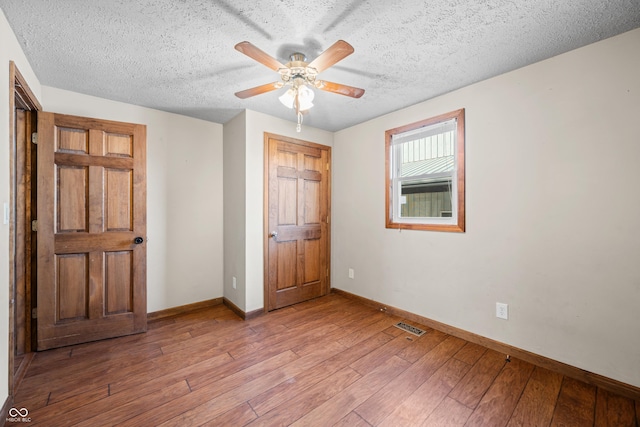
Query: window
column 425, row 174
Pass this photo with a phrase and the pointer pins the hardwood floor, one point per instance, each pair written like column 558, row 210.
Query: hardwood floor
column 330, row 361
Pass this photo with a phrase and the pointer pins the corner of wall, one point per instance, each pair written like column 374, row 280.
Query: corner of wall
column 234, row 206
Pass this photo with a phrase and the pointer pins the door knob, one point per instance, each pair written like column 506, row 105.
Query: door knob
column 138, row 240
column 273, row 234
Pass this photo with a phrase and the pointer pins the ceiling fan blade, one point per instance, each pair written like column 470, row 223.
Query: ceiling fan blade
column 336, row 52
column 259, row 55
column 351, row 91
column 258, row 90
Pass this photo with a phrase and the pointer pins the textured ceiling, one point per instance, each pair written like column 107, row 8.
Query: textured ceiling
column 178, row 55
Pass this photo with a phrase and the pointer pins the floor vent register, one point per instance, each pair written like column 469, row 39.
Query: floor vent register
column 411, row 329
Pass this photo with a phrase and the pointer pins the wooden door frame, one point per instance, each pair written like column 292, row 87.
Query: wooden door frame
column 265, row 209
column 20, row 180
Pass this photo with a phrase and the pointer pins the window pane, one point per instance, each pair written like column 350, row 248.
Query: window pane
column 428, row 155
column 428, row 166
column 426, row 198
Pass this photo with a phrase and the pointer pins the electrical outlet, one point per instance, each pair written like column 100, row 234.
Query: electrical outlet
column 233, row 282
column 502, row 311
column 351, row 273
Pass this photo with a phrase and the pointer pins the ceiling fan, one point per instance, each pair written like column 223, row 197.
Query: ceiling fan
column 299, row 75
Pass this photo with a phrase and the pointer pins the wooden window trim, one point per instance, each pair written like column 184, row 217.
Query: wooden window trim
column 460, row 176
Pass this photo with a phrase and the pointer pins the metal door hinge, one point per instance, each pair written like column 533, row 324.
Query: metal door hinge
column 327, row 219
column 34, row 225
column 327, row 166
column 34, row 313
column 34, row 137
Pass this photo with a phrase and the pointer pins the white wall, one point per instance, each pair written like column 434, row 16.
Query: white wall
column 9, row 51
column 552, row 174
column 184, row 196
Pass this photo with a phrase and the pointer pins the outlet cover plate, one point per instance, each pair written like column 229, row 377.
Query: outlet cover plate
column 502, row 311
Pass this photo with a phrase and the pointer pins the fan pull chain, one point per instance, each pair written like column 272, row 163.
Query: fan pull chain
column 299, row 127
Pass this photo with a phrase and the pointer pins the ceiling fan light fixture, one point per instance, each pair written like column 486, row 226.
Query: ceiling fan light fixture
column 305, row 98
column 288, row 98
column 304, row 94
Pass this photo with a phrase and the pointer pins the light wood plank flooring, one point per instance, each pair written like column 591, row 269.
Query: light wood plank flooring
column 330, row 361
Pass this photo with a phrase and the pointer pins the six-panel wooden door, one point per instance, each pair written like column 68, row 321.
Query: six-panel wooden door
column 91, row 227
column 297, row 245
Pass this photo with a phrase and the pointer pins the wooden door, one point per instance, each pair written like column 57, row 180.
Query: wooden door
column 91, row 226
column 297, row 234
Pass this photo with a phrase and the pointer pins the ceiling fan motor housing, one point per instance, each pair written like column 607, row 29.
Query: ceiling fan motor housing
column 297, row 72
column 298, row 57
